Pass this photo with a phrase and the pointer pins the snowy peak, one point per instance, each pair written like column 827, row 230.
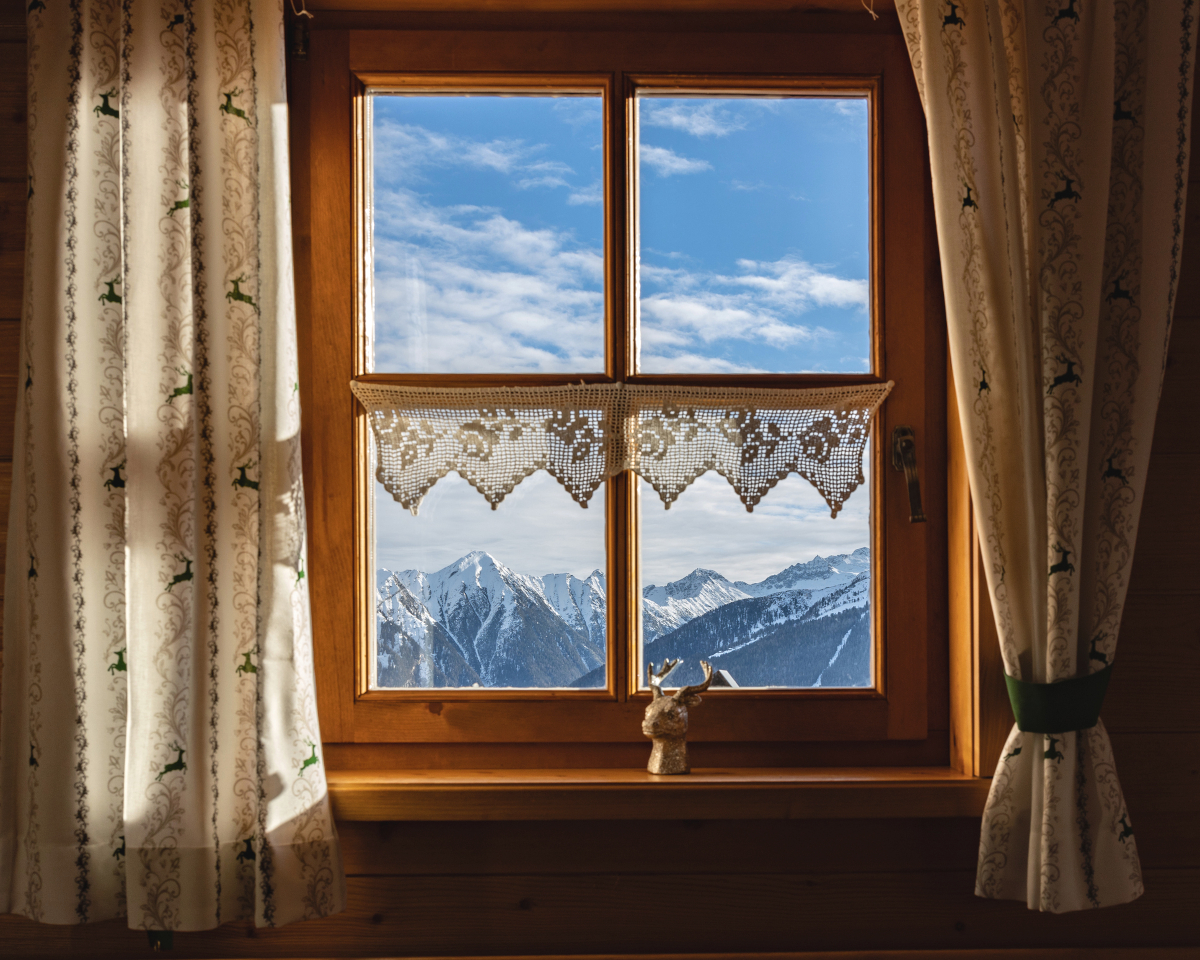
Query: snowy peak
column 818, row 573
column 670, row 606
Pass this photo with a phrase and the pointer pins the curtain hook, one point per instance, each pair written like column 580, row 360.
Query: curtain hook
column 870, row 9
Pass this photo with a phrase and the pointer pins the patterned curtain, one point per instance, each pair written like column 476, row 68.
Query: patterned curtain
column 1058, row 139
column 160, row 751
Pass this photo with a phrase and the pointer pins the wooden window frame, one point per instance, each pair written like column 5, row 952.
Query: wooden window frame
column 905, row 720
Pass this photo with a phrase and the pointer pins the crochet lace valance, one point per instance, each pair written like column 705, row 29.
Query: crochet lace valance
column 581, row 434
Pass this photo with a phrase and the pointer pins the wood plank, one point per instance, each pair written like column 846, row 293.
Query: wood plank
column 637, row 795
column 1175, row 428
column 12, row 247
column 13, row 108
column 1145, row 696
column 400, row 848
column 633, row 755
column 618, row 913
column 1166, row 560
column 330, row 476
column 10, row 359
column 5, row 498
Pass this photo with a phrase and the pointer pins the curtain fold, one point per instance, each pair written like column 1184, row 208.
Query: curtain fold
column 1059, row 143
column 160, row 756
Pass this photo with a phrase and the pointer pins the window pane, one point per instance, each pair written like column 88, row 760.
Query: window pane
column 780, row 597
column 488, row 227
column 753, row 234
column 467, row 596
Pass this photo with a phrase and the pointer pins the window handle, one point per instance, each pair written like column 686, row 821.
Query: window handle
column 904, row 457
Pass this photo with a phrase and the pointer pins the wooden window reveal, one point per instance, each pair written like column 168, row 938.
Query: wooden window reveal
column 903, row 718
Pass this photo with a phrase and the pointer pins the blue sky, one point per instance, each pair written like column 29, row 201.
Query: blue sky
column 754, row 235
column 488, row 227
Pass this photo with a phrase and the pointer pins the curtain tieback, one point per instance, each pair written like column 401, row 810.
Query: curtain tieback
column 1058, row 707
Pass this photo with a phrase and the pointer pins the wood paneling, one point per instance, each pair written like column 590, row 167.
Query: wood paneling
column 616, row 912
column 13, row 195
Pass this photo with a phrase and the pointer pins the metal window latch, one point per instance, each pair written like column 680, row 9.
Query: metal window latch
column 904, row 457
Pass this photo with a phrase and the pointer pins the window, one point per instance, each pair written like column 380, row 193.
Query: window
column 603, row 206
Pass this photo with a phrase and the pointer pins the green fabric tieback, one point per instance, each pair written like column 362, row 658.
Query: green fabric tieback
column 1058, row 707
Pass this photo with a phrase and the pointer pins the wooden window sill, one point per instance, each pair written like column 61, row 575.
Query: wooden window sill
column 622, row 794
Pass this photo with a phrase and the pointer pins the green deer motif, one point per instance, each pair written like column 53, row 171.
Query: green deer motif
column 246, row 666
column 1115, row 472
column 120, row 851
column 1128, row 831
column 183, row 204
column 35, row 6
column 1120, row 113
column 104, row 108
column 952, row 19
column 110, row 295
column 1067, row 13
column 176, row 764
column 185, row 390
column 1119, row 292
column 1009, row 756
column 310, row 761
column 32, row 568
column 1094, row 654
column 1068, row 376
column 248, row 854
column 1052, row 751
column 32, row 759
column 229, row 108
column 175, row 22
column 299, row 572
column 983, row 384
column 968, row 200
column 181, row 577
column 119, row 666
column 28, row 376
column 236, row 293
column 241, row 480
column 1063, row 566
column 116, row 481
column 1068, row 192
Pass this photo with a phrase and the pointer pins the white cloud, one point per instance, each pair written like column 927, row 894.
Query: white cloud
column 667, row 163
column 411, row 149
column 466, row 289
column 683, row 309
column 700, row 118
column 709, row 527
column 593, row 193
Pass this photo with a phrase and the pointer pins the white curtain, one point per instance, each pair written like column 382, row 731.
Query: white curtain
column 160, row 754
column 1059, row 146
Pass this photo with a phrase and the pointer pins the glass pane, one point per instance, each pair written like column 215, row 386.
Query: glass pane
column 467, row 596
column 753, row 234
column 488, row 228
column 780, row 597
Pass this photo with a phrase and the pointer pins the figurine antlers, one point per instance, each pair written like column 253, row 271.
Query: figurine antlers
column 666, row 719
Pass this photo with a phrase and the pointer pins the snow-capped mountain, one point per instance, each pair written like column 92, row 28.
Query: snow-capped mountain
column 502, row 623
column 477, row 621
column 669, row 607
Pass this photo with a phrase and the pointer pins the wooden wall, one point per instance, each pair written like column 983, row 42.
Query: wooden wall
column 622, row 887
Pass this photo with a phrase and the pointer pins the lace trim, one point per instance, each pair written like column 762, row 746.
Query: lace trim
column 581, row 434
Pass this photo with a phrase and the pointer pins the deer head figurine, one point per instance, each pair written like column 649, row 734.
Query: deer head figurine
column 666, row 720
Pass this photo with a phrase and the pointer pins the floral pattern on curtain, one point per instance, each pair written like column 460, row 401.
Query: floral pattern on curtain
column 161, row 757
column 1059, row 150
